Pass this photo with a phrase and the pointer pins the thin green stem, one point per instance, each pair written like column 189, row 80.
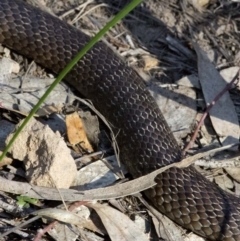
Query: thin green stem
column 68, row 68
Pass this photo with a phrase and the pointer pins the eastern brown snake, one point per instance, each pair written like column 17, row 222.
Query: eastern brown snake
column 144, row 138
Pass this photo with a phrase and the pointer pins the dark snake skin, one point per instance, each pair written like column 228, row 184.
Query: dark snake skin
column 145, row 140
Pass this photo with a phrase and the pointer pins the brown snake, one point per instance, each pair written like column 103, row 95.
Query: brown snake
column 144, row 138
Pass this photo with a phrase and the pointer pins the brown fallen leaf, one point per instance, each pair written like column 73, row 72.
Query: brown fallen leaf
column 149, row 62
column 6, row 161
column 76, row 133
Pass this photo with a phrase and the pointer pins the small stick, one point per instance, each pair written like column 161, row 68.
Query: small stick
column 226, row 88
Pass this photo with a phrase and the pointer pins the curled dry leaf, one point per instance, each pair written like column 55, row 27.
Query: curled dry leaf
column 61, row 215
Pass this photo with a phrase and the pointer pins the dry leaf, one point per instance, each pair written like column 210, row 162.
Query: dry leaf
column 193, row 237
column 201, row 3
column 118, row 225
column 7, row 66
column 166, row 228
column 32, row 89
column 6, row 161
column 76, row 132
column 229, row 73
column 223, row 115
column 178, row 107
column 63, row 232
column 149, row 62
column 94, row 175
column 191, row 81
column 234, row 172
column 237, row 188
column 224, row 182
column 61, row 215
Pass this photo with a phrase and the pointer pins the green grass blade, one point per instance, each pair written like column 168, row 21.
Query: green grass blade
column 68, row 68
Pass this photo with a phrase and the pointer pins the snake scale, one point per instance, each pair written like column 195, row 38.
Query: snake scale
column 144, row 138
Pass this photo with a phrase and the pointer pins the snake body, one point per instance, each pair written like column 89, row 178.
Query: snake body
column 144, row 138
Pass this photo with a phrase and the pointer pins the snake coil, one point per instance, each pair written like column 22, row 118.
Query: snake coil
column 144, row 138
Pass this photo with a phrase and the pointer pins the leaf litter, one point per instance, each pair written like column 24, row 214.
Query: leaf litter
column 164, row 55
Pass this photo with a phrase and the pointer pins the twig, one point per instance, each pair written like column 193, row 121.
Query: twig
column 52, row 224
column 125, row 189
column 18, row 227
column 226, row 88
